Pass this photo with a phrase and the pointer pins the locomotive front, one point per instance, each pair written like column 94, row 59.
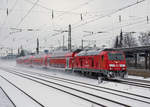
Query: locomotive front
column 116, row 65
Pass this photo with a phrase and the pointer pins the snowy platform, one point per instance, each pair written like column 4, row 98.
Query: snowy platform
column 4, row 100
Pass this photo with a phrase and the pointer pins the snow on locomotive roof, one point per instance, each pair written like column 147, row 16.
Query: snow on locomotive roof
column 89, row 52
column 94, row 52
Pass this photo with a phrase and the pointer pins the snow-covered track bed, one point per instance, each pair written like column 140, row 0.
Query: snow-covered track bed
column 11, row 103
column 134, row 82
column 94, row 87
column 137, row 80
column 94, row 99
column 127, row 98
column 31, row 100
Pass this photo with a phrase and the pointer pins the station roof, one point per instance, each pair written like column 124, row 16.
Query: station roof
column 140, row 49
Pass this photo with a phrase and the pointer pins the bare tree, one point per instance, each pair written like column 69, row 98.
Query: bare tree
column 129, row 40
column 144, row 38
column 116, row 44
column 126, row 40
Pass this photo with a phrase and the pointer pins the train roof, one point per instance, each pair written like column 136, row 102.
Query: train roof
column 64, row 53
column 25, row 57
column 40, row 55
column 89, row 52
column 59, row 53
column 94, row 52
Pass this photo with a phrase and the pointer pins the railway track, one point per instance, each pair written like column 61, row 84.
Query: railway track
column 92, row 98
column 14, row 105
column 22, row 92
column 91, row 86
column 96, row 88
column 137, row 80
column 82, row 83
column 134, row 82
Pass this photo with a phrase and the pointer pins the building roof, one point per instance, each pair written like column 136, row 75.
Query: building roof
column 140, row 49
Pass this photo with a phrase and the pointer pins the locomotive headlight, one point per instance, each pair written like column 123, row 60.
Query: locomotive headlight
column 122, row 65
column 112, row 65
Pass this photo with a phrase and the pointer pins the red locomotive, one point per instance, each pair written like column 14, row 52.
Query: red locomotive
column 107, row 63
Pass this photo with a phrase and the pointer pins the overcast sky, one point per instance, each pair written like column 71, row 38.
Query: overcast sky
column 96, row 16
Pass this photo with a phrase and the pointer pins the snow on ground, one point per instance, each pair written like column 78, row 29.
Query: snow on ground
column 43, row 94
column 106, row 95
column 4, row 101
column 138, row 77
column 46, row 96
column 74, row 76
column 17, row 97
column 51, row 97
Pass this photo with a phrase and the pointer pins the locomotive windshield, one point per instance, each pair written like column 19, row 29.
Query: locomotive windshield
column 115, row 56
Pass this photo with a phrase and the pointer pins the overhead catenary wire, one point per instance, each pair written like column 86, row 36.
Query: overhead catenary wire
column 103, row 16
column 27, row 13
column 81, row 5
column 126, row 25
column 22, row 18
column 116, row 11
column 13, row 7
column 136, row 21
column 133, row 23
column 141, row 21
column 63, row 12
column 50, row 9
column 11, row 10
column 91, row 19
column 60, row 11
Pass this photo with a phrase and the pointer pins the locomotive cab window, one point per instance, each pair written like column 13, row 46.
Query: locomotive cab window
column 115, row 56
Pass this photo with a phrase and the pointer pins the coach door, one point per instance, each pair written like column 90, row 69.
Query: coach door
column 102, row 61
column 67, row 62
column 45, row 62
